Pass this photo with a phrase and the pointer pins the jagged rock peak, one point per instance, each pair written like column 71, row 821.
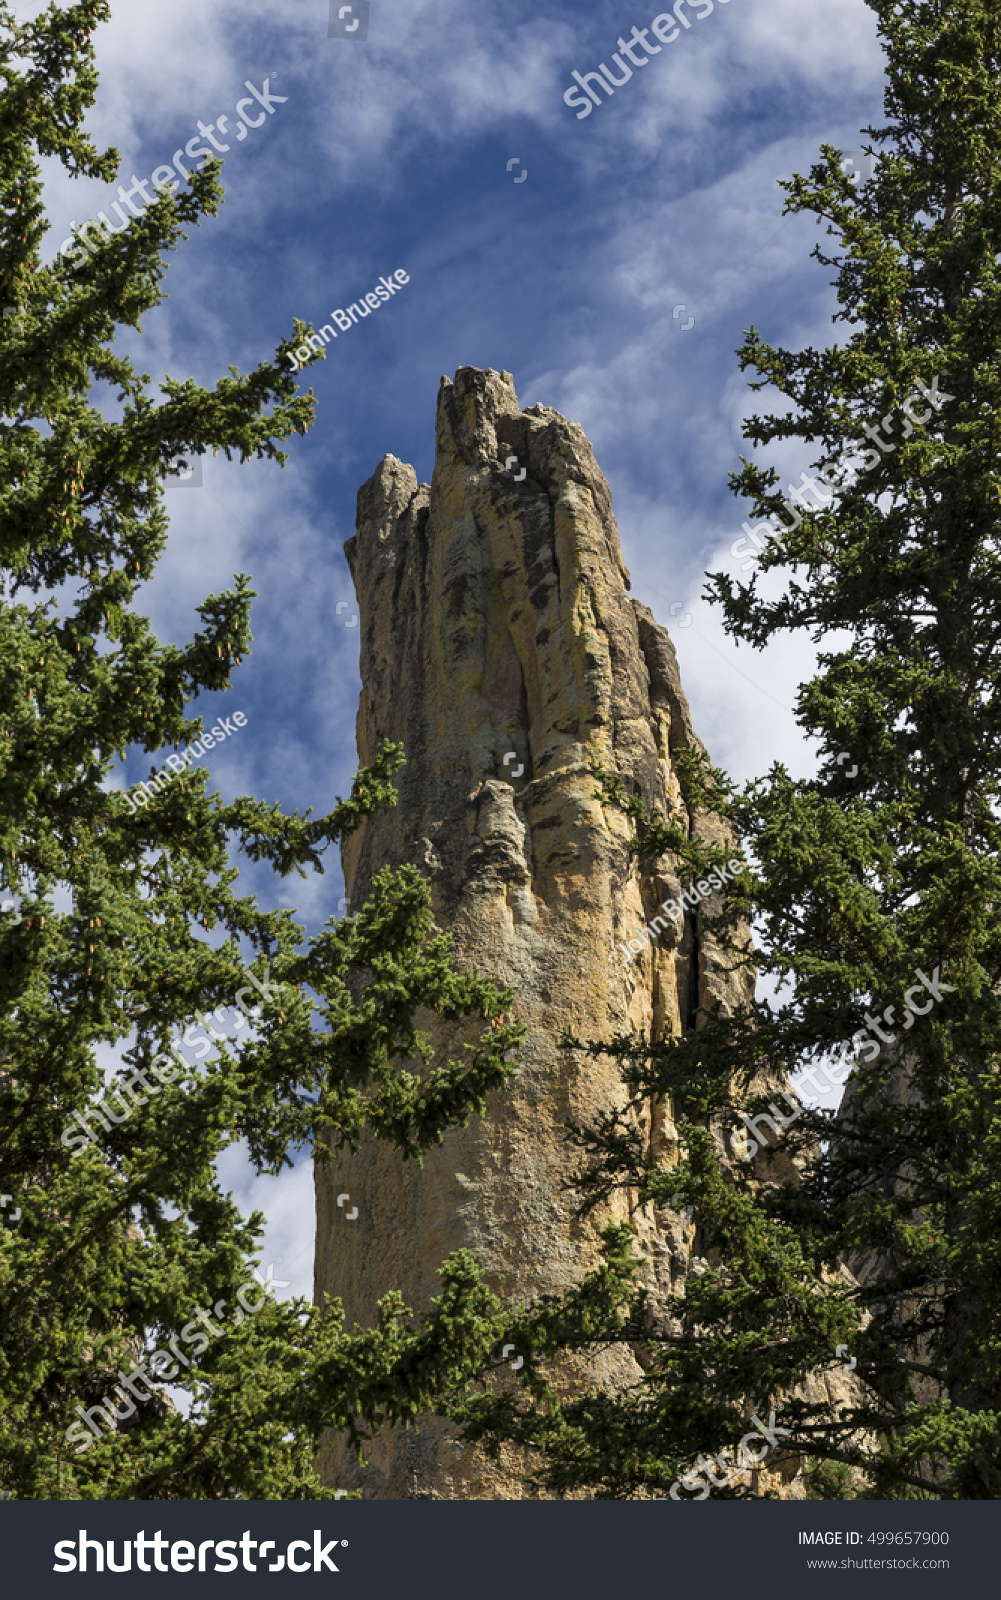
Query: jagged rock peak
column 499, row 644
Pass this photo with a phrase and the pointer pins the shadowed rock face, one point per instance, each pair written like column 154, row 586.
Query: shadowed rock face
column 499, row 644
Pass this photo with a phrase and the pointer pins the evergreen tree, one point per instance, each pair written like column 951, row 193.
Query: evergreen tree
column 875, row 891
column 121, row 923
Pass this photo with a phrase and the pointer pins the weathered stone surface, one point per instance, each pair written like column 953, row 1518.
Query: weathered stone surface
column 496, row 623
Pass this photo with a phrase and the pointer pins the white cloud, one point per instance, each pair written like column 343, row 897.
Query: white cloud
column 287, row 1202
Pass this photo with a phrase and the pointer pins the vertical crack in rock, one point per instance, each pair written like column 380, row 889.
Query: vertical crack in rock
column 495, row 618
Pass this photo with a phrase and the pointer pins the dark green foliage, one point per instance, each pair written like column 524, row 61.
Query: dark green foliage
column 130, row 926
column 830, row 1480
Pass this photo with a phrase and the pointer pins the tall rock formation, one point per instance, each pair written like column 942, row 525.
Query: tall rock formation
column 500, row 645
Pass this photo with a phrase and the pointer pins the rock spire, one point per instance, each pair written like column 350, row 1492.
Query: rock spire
column 501, row 647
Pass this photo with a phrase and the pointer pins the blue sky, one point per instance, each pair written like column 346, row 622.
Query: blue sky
column 393, row 153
